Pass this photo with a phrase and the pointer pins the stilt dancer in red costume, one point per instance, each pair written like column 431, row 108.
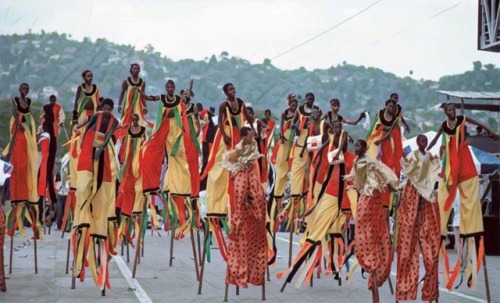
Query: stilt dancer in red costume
column 372, row 239
column 418, row 230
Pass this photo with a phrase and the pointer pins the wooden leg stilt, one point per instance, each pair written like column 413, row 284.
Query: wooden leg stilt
column 204, row 253
column 11, row 253
column 195, row 255
column 237, row 290
column 486, row 280
column 375, row 295
column 139, row 243
column 128, row 253
column 67, row 256
column 36, row 255
column 226, row 290
column 172, row 236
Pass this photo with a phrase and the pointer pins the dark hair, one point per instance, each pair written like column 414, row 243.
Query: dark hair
column 134, row 64
column 171, row 82
column 52, row 97
column 24, row 83
column 244, row 131
column 107, row 101
column 335, row 100
column 267, row 111
column 390, row 101
column 135, row 115
column 199, row 105
column 362, row 143
column 309, row 94
column 85, row 72
column 226, row 86
column 336, row 122
column 394, row 95
column 250, row 109
column 445, row 105
column 420, row 136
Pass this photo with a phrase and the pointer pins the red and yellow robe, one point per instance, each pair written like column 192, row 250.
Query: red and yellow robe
column 134, row 102
column 130, row 199
column 389, row 151
column 459, row 172
column 23, row 178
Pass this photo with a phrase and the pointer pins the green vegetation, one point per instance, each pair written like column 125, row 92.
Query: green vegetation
column 52, row 64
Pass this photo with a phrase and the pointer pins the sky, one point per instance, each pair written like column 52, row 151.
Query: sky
column 428, row 37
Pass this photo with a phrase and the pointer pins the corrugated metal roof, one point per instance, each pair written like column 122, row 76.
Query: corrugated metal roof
column 472, row 95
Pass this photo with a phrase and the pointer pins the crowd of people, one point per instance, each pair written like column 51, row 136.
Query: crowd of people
column 118, row 168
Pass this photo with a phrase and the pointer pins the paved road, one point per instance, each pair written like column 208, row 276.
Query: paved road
column 157, row 282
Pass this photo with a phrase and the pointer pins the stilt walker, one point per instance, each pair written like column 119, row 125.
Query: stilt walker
column 459, row 172
column 22, row 152
column 372, row 240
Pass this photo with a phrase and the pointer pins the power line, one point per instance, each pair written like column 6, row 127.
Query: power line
column 326, row 31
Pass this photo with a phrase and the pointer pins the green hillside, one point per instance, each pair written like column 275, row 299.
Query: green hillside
column 52, row 64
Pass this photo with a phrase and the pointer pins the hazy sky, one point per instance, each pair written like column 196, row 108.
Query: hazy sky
column 432, row 38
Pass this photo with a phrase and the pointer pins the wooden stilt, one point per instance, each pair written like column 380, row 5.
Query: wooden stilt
column 67, row 256
column 202, row 263
column 226, row 290
column 172, row 236
column 195, row 256
column 138, row 245
column 267, row 273
column 36, row 255
column 375, row 296
column 199, row 246
column 11, row 253
column 128, row 253
column 142, row 251
column 486, row 280
column 284, row 285
column 264, row 291
column 122, row 252
column 237, row 290
column 390, row 285
column 290, row 243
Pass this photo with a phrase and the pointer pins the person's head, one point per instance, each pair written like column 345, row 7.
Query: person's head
column 360, row 147
column 52, row 99
column 135, row 119
column 395, row 97
column 335, row 104
column 250, row 111
column 293, row 103
column 449, row 110
column 421, row 142
column 199, row 107
column 107, row 106
column 24, row 89
column 135, row 69
column 229, row 90
column 187, row 94
column 87, row 76
column 390, row 105
column 316, row 114
column 479, row 130
column 337, row 127
column 309, row 99
column 267, row 114
column 170, row 87
column 246, row 135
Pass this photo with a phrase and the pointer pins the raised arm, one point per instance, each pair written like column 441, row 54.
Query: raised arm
column 387, row 135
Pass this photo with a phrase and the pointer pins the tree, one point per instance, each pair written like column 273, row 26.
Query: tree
column 477, row 65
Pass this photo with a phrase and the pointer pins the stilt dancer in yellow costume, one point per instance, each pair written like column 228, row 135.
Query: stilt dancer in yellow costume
column 96, row 193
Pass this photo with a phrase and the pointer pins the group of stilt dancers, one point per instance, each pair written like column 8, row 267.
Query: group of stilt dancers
column 244, row 165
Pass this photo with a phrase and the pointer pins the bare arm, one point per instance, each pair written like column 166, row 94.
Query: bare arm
column 122, row 93
column 75, row 106
column 485, row 127
column 433, row 142
column 355, row 122
column 387, row 135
